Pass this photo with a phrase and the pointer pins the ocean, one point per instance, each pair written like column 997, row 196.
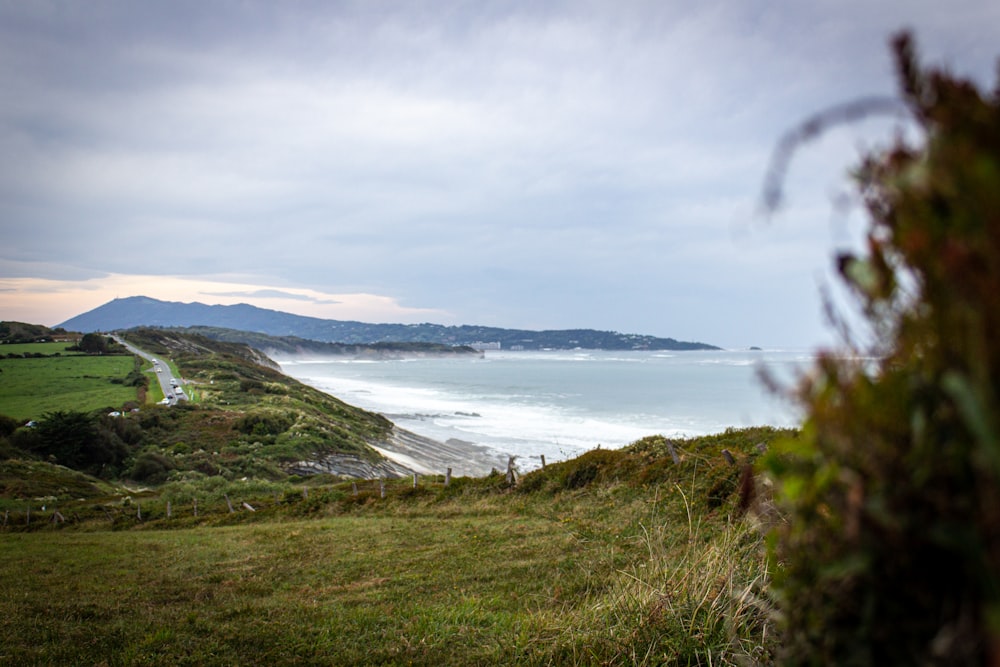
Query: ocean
column 562, row 403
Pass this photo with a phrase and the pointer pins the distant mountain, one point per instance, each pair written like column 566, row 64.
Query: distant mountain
column 139, row 311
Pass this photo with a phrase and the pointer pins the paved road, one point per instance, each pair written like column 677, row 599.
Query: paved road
column 172, row 386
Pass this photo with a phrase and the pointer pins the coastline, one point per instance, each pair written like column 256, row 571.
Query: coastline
column 427, row 456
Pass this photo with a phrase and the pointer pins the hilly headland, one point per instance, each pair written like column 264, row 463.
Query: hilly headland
column 136, row 311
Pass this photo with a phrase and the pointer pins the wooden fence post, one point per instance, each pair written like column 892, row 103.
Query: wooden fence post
column 248, row 506
column 196, row 507
column 305, row 493
column 673, row 452
column 726, row 454
column 511, row 477
column 414, row 480
column 229, row 504
column 354, row 488
column 381, row 487
column 447, row 480
column 168, row 509
column 138, row 511
column 543, row 460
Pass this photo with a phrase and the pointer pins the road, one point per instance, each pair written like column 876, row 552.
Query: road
column 172, row 386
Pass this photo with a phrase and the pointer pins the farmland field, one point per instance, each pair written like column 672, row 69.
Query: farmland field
column 37, row 348
column 32, row 386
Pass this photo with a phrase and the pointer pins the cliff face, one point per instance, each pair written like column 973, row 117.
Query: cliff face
column 405, row 453
column 348, row 465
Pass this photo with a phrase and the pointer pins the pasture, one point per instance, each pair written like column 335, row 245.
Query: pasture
column 617, row 575
column 31, row 386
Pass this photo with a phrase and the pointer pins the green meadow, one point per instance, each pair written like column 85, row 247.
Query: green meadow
column 590, row 561
column 31, row 386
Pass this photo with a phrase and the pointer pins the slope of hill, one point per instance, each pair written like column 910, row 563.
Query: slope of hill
column 618, row 557
column 21, row 332
column 243, row 419
column 293, row 345
column 143, row 311
column 279, row 420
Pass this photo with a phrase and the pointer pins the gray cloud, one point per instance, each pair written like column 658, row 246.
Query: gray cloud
column 272, row 294
column 521, row 164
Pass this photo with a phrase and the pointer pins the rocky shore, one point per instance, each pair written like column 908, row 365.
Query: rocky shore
column 407, row 453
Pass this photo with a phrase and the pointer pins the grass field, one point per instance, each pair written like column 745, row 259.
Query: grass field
column 30, row 387
column 610, row 575
column 36, row 348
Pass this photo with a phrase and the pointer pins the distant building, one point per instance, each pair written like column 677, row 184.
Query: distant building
column 480, row 346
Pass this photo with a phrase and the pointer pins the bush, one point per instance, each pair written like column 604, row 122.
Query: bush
column 7, row 425
column 151, row 468
column 260, row 424
column 891, row 549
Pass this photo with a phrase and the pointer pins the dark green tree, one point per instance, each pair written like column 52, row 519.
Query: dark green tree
column 890, row 554
column 93, row 343
column 77, row 440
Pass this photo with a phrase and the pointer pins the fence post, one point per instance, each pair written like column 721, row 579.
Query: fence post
column 138, row 511
column 414, row 480
column 354, row 488
column 447, row 477
column 673, row 452
column 196, row 507
column 726, row 454
column 229, row 504
column 168, row 509
column 543, row 460
column 511, row 477
column 381, row 487
column 248, row 506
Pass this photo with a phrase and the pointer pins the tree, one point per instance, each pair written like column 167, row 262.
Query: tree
column 76, row 440
column 891, row 549
column 93, row 343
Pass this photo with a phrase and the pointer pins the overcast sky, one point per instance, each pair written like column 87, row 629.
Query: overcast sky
column 539, row 165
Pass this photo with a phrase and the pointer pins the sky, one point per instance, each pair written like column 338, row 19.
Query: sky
column 522, row 164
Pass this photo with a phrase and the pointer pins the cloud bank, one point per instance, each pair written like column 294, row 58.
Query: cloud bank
column 531, row 165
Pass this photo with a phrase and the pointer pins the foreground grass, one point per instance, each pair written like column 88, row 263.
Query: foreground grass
column 610, row 573
column 344, row 590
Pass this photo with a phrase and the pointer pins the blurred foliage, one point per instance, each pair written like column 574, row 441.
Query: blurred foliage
column 891, row 549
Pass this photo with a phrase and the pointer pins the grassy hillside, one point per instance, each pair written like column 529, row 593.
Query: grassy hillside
column 22, row 332
column 244, row 420
column 617, row 557
column 236, row 385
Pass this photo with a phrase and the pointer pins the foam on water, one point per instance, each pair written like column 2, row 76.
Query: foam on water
column 559, row 404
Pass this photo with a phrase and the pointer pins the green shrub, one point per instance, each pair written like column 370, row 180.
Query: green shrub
column 891, row 549
column 263, row 424
column 151, row 468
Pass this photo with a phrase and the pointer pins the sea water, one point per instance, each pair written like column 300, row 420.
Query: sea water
column 562, row 403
